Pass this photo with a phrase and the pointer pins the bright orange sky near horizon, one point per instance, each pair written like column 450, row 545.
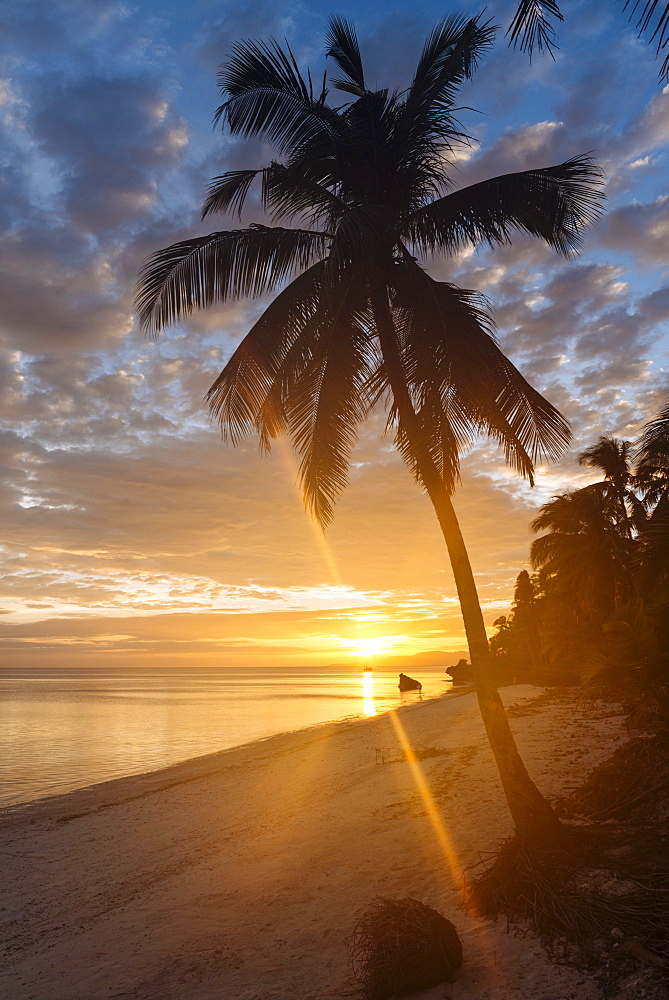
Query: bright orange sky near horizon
column 168, row 606
column 129, row 533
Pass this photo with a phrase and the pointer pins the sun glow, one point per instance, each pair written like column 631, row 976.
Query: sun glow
column 371, row 646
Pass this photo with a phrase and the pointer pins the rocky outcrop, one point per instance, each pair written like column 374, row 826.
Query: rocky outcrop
column 461, row 672
column 409, row 684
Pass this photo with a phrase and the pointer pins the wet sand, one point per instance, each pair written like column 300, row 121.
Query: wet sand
column 238, row 875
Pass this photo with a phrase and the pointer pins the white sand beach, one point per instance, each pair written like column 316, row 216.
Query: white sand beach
column 238, row 875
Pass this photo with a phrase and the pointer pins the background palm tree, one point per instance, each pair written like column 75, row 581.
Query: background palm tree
column 362, row 322
column 652, row 480
column 517, row 647
column 526, row 622
column 599, row 601
column 612, row 457
column 631, row 658
column 631, row 662
column 533, row 25
column 585, row 557
column 652, row 459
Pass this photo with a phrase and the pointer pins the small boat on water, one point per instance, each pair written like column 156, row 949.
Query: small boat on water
column 367, row 670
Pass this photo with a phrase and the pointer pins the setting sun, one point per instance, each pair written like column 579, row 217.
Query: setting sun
column 372, row 646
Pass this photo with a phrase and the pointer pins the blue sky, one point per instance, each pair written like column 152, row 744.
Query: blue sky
column 119, row 502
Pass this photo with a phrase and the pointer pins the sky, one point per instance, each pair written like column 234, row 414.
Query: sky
column 130, row 534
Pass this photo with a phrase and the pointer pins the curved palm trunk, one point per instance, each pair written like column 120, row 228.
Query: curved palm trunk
column 533, row 817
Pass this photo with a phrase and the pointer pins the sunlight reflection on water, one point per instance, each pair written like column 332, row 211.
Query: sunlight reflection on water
column 368, row 693
column 65, row 729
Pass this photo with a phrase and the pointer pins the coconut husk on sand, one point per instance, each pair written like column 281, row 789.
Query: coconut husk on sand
column 402, row 946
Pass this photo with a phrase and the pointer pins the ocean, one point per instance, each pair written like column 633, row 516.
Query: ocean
column 67, row 729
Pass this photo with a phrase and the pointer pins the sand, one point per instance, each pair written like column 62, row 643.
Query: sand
column 238, row 875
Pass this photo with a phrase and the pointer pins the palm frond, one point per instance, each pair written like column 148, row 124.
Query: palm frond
column 445, row 390
column 660, row 30
column 241, row 263
column 611, row 456
column 450, row 55
column 271, row 418
column 588, row 562
column 239, row 396
column 330, row 399
column 449, row 345
column 256, row 64
column 554, row 203
column 289, row 191
column 652, row 459
column 267, row 95
column 228, row 192
column 532, row 28
column 342, row 46
column 575, row 512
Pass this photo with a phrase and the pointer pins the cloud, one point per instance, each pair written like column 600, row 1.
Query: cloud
column 107, row 141
column 90, row 137
column 119, row 499
column 640, row 229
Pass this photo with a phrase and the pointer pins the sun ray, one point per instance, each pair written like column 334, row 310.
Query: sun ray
column 283, row 447
column 431, row 807
column 445, row 842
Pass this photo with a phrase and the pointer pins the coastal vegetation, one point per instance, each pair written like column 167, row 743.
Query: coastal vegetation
column 357, row 321
column 593, row 611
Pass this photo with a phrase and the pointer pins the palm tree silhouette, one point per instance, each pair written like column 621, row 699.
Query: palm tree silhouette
column 652, row 465
column 585, row 557
column 612, row 457
column 652, row 479
column 526, row 621
column 357, row 320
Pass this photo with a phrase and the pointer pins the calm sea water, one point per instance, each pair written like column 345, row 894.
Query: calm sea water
column 66, row 729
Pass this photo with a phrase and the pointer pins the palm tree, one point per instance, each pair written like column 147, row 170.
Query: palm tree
column 652, row 459
column 652, row 479
column 631, row 662
column 585, row 557
column 526, row 622
column 532, row 26
column 631, row 658
column 517, row 644
column 612, row 456
column 357, row 320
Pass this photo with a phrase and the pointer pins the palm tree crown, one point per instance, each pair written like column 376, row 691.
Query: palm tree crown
column 584, row 554
column 612, row 457
column 369, row 183
column 652, row 469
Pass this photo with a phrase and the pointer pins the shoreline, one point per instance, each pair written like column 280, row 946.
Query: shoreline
column 45, row 782
column 238, row 874
column 15, row 807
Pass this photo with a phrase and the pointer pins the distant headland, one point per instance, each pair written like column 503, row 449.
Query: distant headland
column 429, row 658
